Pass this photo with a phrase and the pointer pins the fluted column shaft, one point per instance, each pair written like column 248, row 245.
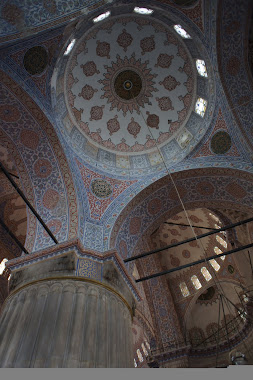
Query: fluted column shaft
column 65, row 323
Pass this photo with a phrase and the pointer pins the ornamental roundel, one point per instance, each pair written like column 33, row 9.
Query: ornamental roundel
column 35, row 60
column 101, row 188
column 124, row 80
column 221, row 142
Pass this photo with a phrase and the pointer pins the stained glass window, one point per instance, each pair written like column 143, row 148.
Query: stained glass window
column 200, row 106
column 2, row 265
column 221, row 241
column 218, row 251
column 143, row 11
column 196, row 282
column 184, row 289
column 201, row 67
column 102, row 16
column 206, row 273
column 144, row 349
column 181, row 31
column 214, row 264
column 135, row 364
column 140, row 357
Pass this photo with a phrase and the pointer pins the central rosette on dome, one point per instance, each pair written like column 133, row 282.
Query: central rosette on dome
column 130, row 89
column 129, row 85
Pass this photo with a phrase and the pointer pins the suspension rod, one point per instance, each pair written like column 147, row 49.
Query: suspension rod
column 27, row 202
column 13, row 237
column 188, row 240
column 194, row 263
column 187, row 225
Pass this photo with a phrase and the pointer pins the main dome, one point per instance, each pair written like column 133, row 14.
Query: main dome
column 127, row 91
column 129, row 85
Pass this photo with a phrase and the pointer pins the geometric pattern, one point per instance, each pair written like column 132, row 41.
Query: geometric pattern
column 89, row 269
column 98, row 204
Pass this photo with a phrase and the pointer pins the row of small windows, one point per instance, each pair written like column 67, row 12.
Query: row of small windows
column 145, row 347
column 205, row 272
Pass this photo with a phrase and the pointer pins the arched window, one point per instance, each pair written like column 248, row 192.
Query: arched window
column 221, row 241
column 144, row 349
column 147, row 345
column 245, row 298
column 2, row 265
column 143, row 11
column 214, row 264
column 201, row 67
column 135, row 364
column 218, row 251
column 196, row 282
column 140, row 357
column 206, row 273
column 181, row 31
column 214, row 217
column 184, row 290
column 102, row 16
column 200, row 106
column 222, row 232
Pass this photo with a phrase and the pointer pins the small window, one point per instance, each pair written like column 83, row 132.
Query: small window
column 245, row 298
column 221, row 241
column 214, row 264
column 102, row 16
column 243, row 314
column 2, row 265
column 143, row 11
column 140, row 357
column 214, row 217
column 184, row 290
column 201, row 67
column 144, row 349
column 222, row 232
column 181, row 31
column 218, row 251
column 200, row 107
column 196, row 282
column 70, row 47
column 206, row 273
column 147, row 345
column 135, row 364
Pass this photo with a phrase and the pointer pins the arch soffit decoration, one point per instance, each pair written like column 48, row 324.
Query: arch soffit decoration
column 25, row 180
column 198, row 188
column 51, row 143
column 233, row 21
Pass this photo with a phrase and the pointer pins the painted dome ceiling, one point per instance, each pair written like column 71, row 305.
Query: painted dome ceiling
column 126, row 93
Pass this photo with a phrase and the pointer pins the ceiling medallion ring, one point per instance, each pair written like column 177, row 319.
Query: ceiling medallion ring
column 133, row 73
column 122, row 79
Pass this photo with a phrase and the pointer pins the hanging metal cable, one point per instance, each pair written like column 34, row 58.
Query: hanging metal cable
column 13, row 237
column 193, row 263
column 188, row 240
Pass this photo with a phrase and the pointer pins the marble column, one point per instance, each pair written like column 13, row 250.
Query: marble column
column 55, row 317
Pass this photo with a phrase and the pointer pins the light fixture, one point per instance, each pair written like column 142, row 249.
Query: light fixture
column 102, row 16
column 70, row 47
column 143, row 11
